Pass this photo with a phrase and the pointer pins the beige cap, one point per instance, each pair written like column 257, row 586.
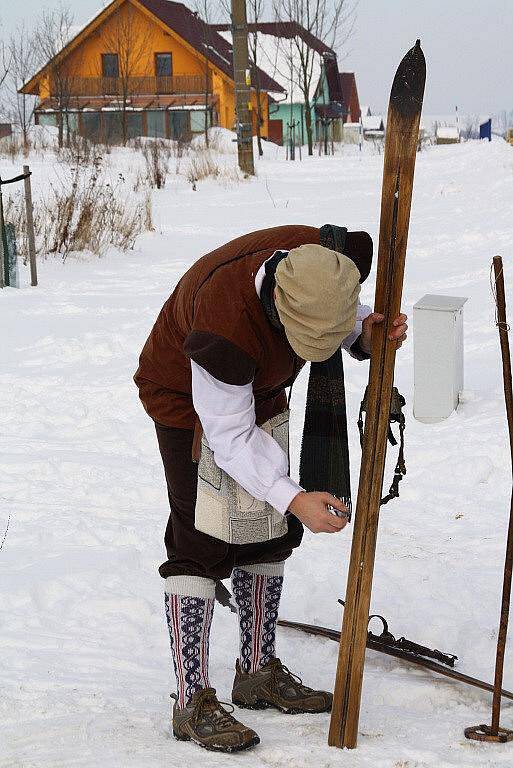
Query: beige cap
column 316, row 297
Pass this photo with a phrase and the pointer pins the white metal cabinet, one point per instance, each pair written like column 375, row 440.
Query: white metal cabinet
column 438, row 356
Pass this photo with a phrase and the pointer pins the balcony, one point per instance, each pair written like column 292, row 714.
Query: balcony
column 137, row 86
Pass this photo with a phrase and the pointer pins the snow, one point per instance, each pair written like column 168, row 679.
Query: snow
column 85, row 668
column 447, row 132
column 280, row 58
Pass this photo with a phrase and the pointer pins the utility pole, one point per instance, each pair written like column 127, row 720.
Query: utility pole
column 242, row 79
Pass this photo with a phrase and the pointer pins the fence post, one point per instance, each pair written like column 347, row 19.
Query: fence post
column 30, row 225
column 4, row 271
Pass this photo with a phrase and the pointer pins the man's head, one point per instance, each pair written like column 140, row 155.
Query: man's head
column 316, row 296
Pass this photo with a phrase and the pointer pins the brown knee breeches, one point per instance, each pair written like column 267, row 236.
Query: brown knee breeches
column 189, row 551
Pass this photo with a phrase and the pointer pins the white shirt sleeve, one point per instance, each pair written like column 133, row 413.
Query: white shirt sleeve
column 245, row 452
column 362, row 312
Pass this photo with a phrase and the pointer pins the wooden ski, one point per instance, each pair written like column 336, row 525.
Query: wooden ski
column 403, row 120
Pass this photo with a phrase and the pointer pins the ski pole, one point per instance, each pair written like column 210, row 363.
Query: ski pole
column 494, row 732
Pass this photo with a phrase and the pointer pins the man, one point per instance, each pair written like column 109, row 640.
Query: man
column 234, row 334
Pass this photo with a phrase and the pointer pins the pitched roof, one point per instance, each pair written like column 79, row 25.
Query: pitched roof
column 285, row 64
column 191, row 27
column 347, row 83
column 333, row 78
column 286, row 29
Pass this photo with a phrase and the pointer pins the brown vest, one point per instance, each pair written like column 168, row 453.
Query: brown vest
column 215, row 318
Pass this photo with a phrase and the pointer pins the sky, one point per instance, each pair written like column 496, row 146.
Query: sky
column 468, row 46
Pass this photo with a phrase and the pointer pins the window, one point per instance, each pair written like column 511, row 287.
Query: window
column 134, row 125
column 180, row 125
column 156, row 124
column 48, row 118
column 163, row 64
column 198, row 120
column 91, row 125
column 110, row 65
column 112, row 127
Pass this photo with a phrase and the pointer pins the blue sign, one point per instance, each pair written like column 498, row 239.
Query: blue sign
column 485, row 130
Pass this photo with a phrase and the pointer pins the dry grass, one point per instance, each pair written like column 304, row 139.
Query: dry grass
column 201, row 164
column 83, row 211
column 11, row 147
column 156, row 153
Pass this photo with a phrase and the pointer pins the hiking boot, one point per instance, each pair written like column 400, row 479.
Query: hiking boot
column 208, row 724
column 275, row 686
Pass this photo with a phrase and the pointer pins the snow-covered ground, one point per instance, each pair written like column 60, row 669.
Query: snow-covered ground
column 85, row 669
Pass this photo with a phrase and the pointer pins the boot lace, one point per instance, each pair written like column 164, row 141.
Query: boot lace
column 208, row 706
column 282, row 674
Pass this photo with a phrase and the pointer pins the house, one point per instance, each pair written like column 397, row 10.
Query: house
column 345, row 94
column 279, row 46
column 5, row 130
column 373, row 127
column 143, row 68
column 447, row 134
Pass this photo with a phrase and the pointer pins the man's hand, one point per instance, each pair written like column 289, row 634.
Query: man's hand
column 312, row 510
column 397, row 334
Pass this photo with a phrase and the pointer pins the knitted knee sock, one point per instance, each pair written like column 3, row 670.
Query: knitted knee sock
column 189, row 605
column 257, row 591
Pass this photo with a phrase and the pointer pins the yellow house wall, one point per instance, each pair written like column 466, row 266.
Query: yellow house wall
column 85, row 60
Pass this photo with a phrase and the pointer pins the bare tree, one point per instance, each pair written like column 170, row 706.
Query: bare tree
column 208, row 14
column 127, row 38
column 255, row 12
column 5, row 62
column 5, row 65
column 22, row 56
column 332, row 22
column 53, row 33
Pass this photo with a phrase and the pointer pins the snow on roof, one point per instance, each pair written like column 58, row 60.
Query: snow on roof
column 280, row 58
column 372, row 122
column 447, row 132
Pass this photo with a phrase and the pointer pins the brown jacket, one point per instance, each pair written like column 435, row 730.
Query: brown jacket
column 215, row 318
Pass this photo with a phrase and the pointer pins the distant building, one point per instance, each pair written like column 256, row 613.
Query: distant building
column 373, row 127
column 447, row 134
column 5, row 130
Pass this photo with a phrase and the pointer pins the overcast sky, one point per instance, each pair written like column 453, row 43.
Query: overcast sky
column 468, row 46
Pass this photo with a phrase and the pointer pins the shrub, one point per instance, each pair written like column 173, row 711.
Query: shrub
column 156, row 153
column 83, row 211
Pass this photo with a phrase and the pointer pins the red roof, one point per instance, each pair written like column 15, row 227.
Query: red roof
column 190, row 27
column 350, row 94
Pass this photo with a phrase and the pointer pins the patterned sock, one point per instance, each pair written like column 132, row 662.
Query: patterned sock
column 189, row 603
column 257, row 592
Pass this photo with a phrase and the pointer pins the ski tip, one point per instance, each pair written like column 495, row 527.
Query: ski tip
column 407, row 91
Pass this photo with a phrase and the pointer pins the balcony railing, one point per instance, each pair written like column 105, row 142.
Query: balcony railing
column 138, row 86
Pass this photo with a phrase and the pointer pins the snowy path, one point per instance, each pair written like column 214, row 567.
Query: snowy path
column 85, row 669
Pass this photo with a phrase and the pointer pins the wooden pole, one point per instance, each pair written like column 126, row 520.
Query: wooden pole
column 508, row 396
column 482, row 732
column 242, row 81
column 399, row 163
column 4, row 267
column 30, row 225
